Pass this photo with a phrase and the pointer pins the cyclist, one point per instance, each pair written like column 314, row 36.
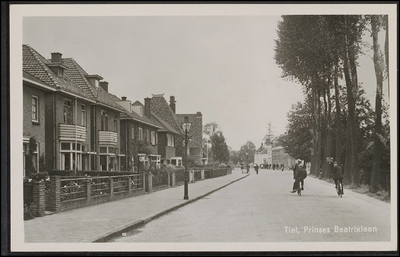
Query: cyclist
column 337, row 174
column 299, row 174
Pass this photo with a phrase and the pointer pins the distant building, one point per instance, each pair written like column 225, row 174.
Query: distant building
column 279, row 154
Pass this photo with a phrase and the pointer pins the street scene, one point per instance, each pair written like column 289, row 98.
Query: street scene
column 194, row 127
column 260, row 208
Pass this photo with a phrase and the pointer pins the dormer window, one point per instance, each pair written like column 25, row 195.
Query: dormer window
column 56, row 64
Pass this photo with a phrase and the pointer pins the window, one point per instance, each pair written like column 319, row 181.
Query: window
column 141, row 111
column 147, row 136
column 132, row 132
column 140, row 134
column 153, row 138
column 104, row 120
column 68, row 112
column 35, row 108
column 35, row 157
column 83, row 115
column 71, row 157
column 170, row 140
column 115, row 123
column 108, row 160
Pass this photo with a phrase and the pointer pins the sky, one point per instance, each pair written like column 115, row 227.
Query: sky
column 220, row 65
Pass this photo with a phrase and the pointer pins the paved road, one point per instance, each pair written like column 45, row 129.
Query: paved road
column 260, row 208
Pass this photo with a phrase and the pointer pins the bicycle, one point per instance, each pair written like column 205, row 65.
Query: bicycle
column 339, row 188
column 299, row 188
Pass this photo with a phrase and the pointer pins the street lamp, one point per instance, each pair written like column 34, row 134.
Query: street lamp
column 186, row 128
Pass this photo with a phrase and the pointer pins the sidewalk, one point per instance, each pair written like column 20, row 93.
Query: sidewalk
column 99, row 223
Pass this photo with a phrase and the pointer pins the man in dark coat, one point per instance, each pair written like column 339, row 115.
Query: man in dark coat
column 299, row 174
column 337, row 174
column 256, row 168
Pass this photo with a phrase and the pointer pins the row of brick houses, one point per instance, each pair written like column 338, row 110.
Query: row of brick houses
column 72, row 122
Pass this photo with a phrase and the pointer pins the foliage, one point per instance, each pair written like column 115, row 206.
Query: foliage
column 219, row 146
column 37, row 177
column 29, row 211
column 298, row 141
column 246, row 152
column 235, row 157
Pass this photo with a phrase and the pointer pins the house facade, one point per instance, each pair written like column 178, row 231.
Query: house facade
column 166, row 114
column 262, row 155
column 70, row 120
column 139, row 135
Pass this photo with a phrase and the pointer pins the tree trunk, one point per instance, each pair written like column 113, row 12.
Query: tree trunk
column 349, row 158
column 376, row 161
column 314, row 169
column 338, row 120
column 319, row 144
column 386, row 19
column 328, row 133
column 352, row 117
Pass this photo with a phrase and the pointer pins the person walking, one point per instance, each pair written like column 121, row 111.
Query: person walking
column 248, row 167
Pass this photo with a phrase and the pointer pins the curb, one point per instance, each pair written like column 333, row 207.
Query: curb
column 139, row 223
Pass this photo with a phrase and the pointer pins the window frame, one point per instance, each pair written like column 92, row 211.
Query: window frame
column 83, row 115
column 153, row 138
column 35, row 108
column 70, row 111
column 104, row 120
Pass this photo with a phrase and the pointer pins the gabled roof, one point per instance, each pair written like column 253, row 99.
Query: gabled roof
column 165, row 126
column 28, row 76
column 262, row 149
column 277, row 141
column 162, row 110
column 78, row 75
column 37, row 66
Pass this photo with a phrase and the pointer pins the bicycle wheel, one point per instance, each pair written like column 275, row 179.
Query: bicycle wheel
column 340, row 190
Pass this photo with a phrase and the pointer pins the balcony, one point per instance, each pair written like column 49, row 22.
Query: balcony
column 71, row 132
column 108, row 138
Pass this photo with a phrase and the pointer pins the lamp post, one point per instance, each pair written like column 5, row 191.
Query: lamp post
column 186, row 128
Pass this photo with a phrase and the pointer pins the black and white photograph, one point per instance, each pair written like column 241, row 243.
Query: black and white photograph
column 203, row 127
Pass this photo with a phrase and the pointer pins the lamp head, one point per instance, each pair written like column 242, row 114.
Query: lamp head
column 186, row 125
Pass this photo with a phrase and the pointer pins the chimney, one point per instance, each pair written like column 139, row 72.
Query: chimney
column 123, row 98
column 104, row 85
column 172, row 103
column 56, row 57
column 94, row 79
column 147, row 107
column 56, row 64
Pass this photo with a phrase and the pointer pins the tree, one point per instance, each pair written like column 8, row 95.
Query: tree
column 376, row 24
column 219, row 146
column 298, row 142
column 247, row 151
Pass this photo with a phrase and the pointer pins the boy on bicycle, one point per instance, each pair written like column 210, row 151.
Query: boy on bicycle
column 337, row 174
